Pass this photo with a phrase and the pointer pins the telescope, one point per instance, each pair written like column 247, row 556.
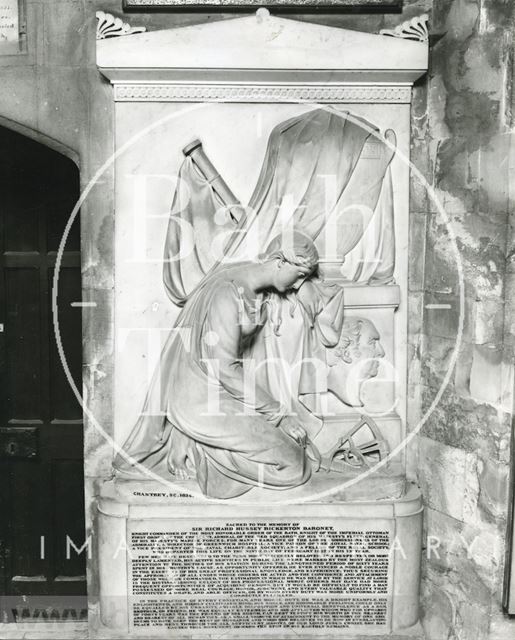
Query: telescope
column 195, row 151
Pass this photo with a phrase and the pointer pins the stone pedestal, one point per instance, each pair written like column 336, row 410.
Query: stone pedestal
column 176, row 564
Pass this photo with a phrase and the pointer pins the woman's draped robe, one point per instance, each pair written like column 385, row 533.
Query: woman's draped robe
column 311, row 177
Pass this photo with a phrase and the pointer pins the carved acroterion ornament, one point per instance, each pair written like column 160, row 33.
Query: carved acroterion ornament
column 108, row 26
column 414, row 29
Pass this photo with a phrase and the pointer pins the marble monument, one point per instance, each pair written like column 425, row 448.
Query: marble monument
column 261, row 204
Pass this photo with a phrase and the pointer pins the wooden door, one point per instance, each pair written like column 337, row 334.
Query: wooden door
column 41, row 430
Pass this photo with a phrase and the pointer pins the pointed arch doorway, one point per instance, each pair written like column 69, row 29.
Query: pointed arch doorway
column 41, row 429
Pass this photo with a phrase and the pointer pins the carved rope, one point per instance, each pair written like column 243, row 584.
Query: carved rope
column 414, row 29
column 108, row 26
column 261, row 93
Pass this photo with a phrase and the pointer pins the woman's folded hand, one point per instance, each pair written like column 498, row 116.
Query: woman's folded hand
column 293, row 429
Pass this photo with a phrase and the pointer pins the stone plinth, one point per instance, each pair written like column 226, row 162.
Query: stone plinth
column 171, row 561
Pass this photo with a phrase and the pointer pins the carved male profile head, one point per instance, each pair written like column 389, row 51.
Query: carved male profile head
column 354, row 359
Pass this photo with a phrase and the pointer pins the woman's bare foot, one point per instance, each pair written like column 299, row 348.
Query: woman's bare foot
column 180, row 458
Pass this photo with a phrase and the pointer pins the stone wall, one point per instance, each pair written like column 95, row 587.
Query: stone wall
column 461, row 121
column 461, row 142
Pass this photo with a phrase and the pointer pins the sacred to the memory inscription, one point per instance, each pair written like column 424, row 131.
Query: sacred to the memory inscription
column 281, row 574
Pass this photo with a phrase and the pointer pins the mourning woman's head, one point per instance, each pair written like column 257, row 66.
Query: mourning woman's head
column 294, row 247
column 293, row 257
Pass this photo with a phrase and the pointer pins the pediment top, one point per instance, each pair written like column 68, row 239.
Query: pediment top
column 263, row 42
